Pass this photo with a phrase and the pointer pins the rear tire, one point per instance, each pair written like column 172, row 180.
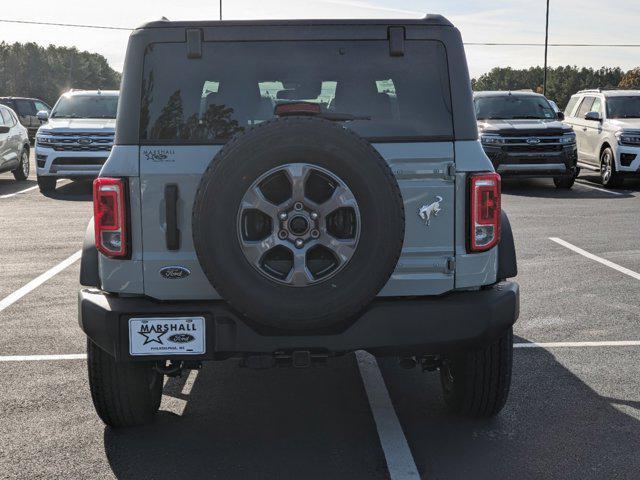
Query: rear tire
column 564, row 183
column 123, row 394
column 46, row 184
column 22, row 172
column 476, row 383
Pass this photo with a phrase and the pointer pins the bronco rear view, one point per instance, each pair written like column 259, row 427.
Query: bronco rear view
column 283, row 192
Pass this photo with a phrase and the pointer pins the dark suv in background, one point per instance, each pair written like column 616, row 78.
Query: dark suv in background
column 523, row 136
column 27, row 110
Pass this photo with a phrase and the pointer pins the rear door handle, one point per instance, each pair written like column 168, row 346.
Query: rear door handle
column 172, row 235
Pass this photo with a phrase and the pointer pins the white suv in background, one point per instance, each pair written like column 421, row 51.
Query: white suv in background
column 607, row 127
column 77, row 138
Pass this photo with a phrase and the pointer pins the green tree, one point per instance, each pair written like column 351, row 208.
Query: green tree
column 31, row 70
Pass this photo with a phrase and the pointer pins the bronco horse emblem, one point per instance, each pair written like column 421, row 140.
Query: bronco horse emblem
column 432, row 210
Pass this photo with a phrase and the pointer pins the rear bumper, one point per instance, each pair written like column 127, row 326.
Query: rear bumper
column 387, row 327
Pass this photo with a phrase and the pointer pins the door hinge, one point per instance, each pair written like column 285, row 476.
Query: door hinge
column 450, row 265
column 451, row 171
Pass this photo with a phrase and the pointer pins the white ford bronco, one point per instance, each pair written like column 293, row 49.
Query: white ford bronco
column 283, row 192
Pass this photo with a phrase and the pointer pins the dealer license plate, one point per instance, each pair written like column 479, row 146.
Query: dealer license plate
column 167, row 336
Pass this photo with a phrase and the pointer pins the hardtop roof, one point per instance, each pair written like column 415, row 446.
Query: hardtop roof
column 427, row 20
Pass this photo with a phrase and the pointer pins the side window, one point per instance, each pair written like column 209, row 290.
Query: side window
column 585, row 106
column 25, row 107
column 2, row 124
column 597, row 106
column 570, row 106
column 40, row 106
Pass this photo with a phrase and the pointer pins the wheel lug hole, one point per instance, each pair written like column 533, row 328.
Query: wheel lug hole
column 282, row 215
column 315, row 233
column 299, row 243
column 298, row 206
column 283, row 234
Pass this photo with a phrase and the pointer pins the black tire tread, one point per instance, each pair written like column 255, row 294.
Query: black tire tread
column 485, row 379
column 119, row 390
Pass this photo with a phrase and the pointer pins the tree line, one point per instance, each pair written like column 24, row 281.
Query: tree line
column 562, row 82
column 31, row 70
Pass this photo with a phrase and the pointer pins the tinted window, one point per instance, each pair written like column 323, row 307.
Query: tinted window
column 86, row 106
column 597, row 106
column 25, row 107
column 513, row 106
column 236, row 85
column 570, row 106
column 585, row 106
column 623, row 107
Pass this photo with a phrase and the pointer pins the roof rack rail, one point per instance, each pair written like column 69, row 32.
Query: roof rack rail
column 591, row 90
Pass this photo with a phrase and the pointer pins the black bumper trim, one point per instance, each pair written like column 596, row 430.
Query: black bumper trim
column 419, row 325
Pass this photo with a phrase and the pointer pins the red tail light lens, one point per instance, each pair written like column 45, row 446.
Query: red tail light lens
column 484, row 223
column 110, row 220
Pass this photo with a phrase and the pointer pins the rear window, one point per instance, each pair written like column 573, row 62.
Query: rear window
column 238, row 84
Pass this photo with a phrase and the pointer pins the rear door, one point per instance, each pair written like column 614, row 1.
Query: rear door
column 401, row 104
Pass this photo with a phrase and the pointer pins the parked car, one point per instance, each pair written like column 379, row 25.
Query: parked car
column 77, row 137
column 14, row 145
column 359, row 213
column 27, row 110
column 524, row 137
column 607, row 126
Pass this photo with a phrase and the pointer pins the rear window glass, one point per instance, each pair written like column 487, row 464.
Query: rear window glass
column 237, row 85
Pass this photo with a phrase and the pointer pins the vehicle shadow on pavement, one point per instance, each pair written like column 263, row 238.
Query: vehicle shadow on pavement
column 544, row 188
column 240, row 423
column 553, row 426
column 8, row 185
column 75, row 191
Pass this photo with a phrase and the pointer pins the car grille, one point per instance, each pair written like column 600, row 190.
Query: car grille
column 79, row 161
column 77, row 141
column 522, row 145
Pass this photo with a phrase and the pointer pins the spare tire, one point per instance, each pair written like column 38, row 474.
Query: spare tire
column 298, row 223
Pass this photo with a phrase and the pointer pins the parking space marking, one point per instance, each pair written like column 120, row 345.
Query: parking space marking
column 36, row 282
column 593, row 187
column 596, row 258
column 188, row 384
column 42, row 358
column 9, row 195
column 400, row 462
column 612, row 343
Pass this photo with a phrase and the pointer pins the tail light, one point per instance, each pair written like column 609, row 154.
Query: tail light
column 110, row 216
column 484, row 223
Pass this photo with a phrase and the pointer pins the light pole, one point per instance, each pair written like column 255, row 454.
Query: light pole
column 546, row 49
column 220, row 9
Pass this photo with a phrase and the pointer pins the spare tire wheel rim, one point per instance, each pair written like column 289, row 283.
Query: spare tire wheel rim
column 298, row 224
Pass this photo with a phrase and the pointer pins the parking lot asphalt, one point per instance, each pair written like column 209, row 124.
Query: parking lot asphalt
column 573, row 413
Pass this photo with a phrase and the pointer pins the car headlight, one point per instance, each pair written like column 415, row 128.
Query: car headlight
column 492, row 140
column 628, row 138
column 568, row 139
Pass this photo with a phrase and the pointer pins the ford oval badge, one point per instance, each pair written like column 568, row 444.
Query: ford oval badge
column 174, row 272
column 181, row 338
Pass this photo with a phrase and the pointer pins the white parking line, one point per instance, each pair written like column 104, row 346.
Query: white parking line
column 42, row 358
column 396, row 450
column 9, row 195
column 36, row 282
column 612, row 343
column 593, row 187
column 591, row 256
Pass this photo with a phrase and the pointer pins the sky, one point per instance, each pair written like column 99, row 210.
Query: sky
column 517, row 21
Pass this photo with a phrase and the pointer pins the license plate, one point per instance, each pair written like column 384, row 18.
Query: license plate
column 167, row 336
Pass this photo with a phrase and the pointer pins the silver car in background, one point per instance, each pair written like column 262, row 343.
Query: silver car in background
column 77, row 137
column 14, row 145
